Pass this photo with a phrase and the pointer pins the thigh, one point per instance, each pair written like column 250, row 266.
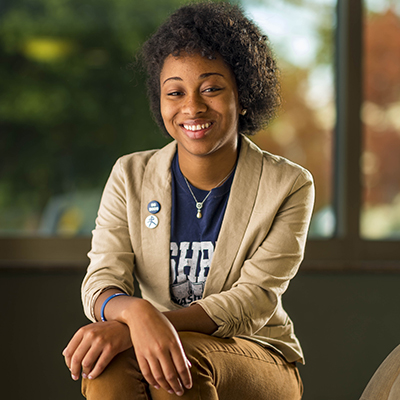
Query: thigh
column 237, row 369
column 121, row 380
column 222, row 369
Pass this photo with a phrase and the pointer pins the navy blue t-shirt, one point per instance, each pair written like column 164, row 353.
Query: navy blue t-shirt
column 193, row 239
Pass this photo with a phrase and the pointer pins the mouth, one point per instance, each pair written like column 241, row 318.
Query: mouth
column 197, row 127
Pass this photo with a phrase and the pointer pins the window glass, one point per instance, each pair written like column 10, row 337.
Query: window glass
column 380, row 214
column 70, row 106
column 302, row 35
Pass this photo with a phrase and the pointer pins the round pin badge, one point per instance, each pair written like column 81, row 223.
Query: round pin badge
column 154, row 207
column 151, row 221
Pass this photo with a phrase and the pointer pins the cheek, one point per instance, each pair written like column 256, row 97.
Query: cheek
column 233, row 108
column 164, row 111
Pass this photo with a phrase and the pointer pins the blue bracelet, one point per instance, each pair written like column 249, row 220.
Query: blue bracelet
column 103, row 318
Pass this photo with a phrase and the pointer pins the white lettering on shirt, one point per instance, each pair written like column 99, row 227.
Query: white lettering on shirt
column 190, row 264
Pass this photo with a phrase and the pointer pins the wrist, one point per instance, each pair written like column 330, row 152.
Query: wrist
column 134, row 309
column 112, row 308
column 106, row 301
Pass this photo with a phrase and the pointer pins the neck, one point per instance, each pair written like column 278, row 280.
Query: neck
column 207, row 172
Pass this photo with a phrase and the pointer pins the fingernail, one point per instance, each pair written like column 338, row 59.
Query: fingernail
column 171, row 392
column 188, row 386
column 156, row 387
column 84, row 375
column 90, row 377
column 179, row 393
column 74, row 377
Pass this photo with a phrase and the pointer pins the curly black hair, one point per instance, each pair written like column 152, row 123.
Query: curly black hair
column 212, row 29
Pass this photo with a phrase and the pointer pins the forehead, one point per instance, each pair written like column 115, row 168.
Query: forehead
column 194, row 66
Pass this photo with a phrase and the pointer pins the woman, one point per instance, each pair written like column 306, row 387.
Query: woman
column 211, row 227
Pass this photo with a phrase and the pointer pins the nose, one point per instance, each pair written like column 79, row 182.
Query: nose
column 193, row 104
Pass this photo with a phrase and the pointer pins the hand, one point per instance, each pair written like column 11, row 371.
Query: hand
column 93, row 347
column 158, row 349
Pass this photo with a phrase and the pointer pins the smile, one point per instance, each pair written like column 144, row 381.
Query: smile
column 197, row 127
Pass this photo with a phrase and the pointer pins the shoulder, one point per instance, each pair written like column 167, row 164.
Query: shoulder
column 277, row 168
column 137, row 159
column 132, row 170
column 135, row 164
column 285, row 169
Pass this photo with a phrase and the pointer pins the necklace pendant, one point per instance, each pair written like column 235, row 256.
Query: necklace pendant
column 199, row 206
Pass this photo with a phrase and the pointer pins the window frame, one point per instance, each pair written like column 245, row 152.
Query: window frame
column 346, row 251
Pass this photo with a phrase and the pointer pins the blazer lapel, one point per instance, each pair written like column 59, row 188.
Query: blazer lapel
column 237, row 215
column 156, row 241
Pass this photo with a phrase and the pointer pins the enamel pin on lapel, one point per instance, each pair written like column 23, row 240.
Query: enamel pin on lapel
column 151, row 221
column 153, row 207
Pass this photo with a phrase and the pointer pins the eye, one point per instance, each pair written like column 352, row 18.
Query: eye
column 212, row 90
column 174, row 94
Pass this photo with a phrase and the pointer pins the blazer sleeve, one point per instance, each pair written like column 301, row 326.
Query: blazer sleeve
column 255, row 297
column 111, row 255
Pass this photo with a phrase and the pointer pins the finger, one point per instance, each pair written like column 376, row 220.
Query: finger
column 71, row 347
column 182, row 366
column 90, row 360
column 157, row 372
column 77, row 358
column 171, row 375
column 146, row 372
column 99, row 365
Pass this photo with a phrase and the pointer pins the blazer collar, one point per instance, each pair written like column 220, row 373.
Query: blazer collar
column 237, row 215
column 156, row 242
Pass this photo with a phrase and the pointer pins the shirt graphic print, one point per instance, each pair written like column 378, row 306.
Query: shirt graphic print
column 190, row 264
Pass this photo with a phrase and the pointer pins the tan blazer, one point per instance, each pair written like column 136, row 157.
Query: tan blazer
column 258, row 251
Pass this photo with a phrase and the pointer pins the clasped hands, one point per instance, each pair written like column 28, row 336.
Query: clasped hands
column 158, row 349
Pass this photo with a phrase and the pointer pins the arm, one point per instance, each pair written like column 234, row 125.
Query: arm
column 276, row 241
column 129, row 318
column 135, row 321
column 130, row 321
column 158, row 350
column 193, row 318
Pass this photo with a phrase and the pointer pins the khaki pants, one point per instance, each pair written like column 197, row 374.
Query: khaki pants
column 225, row 369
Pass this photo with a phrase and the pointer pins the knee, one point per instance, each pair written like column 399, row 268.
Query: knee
column 120, row 375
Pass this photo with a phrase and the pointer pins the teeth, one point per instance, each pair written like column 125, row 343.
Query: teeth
column 197, row 127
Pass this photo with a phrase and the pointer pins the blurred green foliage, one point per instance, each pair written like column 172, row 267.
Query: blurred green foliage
column 70, row 104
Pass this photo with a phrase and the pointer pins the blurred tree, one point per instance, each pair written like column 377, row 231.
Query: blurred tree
column 303, row 131
column 69, row 104
column 381, row 114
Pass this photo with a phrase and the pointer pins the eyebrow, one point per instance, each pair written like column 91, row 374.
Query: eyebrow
column 202, row 76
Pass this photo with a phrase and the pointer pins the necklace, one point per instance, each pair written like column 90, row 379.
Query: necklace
column 199, row 204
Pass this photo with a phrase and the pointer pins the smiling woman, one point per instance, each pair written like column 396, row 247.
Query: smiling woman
column 211, row 227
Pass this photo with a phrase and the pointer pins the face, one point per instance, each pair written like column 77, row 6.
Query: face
column 199, row 105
